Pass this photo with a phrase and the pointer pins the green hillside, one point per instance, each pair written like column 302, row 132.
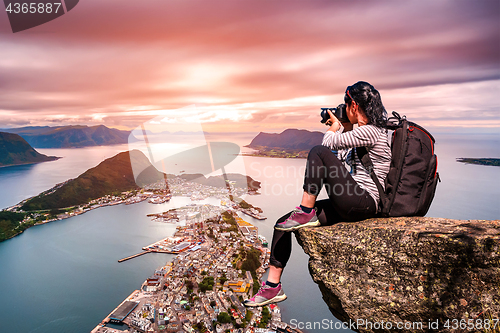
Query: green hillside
column 113, row 175
column 15, row 150
column 10, row 224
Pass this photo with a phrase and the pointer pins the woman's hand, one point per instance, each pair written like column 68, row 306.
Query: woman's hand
column 333, row 122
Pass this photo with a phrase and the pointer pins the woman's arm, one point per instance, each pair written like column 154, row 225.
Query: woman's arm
column 363, row 136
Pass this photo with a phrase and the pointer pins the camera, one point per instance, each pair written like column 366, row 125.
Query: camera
column 338, row 112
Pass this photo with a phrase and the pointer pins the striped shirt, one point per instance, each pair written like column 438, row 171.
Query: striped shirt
column 376, row 141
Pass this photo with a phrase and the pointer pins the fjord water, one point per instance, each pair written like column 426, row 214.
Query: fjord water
column 64, row 276
column 20, row 182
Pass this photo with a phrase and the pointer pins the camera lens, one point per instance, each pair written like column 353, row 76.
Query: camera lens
column 324, row 115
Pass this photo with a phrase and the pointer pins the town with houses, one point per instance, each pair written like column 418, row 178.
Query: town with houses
column 155, row 193
column 220, row 261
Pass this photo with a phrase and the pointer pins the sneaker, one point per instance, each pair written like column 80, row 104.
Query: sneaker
column 266, row 295
column 298, row 219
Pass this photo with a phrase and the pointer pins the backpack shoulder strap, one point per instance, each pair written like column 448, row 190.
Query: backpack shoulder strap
column 368, row 164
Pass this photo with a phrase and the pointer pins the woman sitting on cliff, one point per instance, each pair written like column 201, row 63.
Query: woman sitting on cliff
column 353, row 196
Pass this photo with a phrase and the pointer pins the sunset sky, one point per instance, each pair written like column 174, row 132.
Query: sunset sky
column 252, row 66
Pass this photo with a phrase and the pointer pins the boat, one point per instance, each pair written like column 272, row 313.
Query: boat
column 256, row 216
column 160, row 199
column 263, row 240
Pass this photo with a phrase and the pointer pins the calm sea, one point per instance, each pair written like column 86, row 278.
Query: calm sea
column 64, row 276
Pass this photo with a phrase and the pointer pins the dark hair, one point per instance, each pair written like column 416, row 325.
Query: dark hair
column 368, row 98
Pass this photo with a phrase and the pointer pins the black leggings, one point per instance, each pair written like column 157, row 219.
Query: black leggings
column 347, row 202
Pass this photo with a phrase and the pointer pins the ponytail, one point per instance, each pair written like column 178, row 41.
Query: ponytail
column 369, row 100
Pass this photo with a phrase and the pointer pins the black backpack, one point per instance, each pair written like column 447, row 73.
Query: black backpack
column 411, row 182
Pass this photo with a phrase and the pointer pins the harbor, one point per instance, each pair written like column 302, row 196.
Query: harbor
column 210, row 276
column 133, row 256
column 118, row 312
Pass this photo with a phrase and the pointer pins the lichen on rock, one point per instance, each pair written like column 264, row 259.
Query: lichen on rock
column 407, row 269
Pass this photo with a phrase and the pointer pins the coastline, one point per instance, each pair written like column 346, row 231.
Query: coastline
column 106, row 319
column 275, row 152
column 479, row 161
column 66, row 215
column 153, row 193
column 53, row 158
column 263, row 155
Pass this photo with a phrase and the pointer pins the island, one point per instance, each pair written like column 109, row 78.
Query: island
column 14, row 150
column 291, row 143
column 480, row 161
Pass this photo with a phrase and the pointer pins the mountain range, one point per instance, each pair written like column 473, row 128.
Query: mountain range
column 70, row 136
column 288, row 139
column 14, row 150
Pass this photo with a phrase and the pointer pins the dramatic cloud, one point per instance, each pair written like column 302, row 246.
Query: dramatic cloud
column 251, row 65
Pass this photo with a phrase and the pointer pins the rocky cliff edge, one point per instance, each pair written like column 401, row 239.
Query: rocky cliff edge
column 412, row 270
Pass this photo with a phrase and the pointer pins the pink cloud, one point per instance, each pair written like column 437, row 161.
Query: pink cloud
column 110, row 56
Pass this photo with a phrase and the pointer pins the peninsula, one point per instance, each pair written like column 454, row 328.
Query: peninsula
column 480, row 161
column 112, row 182
column 112, row 176
column 291, row 143
column 14, row 150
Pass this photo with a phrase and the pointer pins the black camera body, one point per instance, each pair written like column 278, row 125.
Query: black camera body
column 339, row 112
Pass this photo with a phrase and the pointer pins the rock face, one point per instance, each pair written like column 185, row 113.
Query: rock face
column 408, row 270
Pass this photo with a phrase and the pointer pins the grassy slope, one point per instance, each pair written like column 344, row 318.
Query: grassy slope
column 113, row 175
column 9, row 224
